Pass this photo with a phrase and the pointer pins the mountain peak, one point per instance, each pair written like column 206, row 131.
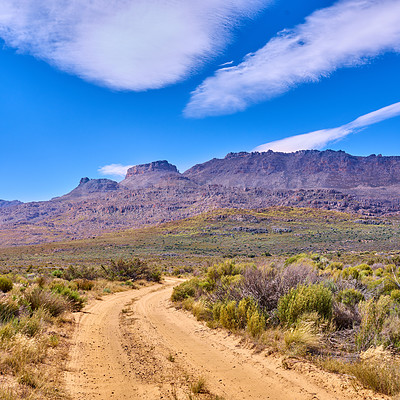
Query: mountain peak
column 155, row 166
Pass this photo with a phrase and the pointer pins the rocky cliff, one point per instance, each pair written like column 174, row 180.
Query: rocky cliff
column 309, row 169
column 157, row 173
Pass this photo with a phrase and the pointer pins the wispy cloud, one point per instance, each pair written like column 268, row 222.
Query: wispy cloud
column 123, row 44
column 319, row 139
column 347, row 34
column 114, row 170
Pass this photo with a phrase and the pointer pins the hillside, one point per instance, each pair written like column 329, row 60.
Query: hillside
column 223, row 233
column 157, row 192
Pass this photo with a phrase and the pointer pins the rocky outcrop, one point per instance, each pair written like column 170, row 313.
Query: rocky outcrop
column 155, row 166
column 88, row 187
column 155, row 174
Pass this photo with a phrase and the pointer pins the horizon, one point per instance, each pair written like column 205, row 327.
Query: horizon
column 122, row 177
column 100, row 86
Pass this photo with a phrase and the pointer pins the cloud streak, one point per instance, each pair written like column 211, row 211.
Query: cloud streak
column 347, row 34
column 124, row 44
column 319, row 139
column 114, row 170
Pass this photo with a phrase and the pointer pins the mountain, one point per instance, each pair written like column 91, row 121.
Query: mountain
column 157, row 173
column 88, row 187
column 157, row 192
column 309, row 169
column 5, row 203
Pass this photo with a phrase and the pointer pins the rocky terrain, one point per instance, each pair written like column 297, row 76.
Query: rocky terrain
column 310, row 169
column 5, row 203
column 157, row 192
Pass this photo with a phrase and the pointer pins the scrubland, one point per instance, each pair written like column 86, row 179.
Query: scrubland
column 36, row 321
column 344, row 315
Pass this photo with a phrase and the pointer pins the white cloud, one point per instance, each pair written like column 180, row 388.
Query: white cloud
column 319, row 139
column 114, row 170
column 123, row 44
column 347, row 34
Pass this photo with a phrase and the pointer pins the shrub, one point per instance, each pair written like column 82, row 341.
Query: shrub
column 304, row 299
column 5, row 284
column 185, row 289
column 8, row 310
column 377, row 371
column 217, row 272
column 350, row 297
column 351, row 272
column 227, row 317
column 85, row 284
column 345, row 317
column 82, row 272
column 72, row 296
column 39, row 298
column 133, row 269
column 336, row 265
column 256, row 324
column 301, row 339
column 57, row 273
column 395, row 295
column 373, row 315
column 390, row 334
column 201, row 312
column 261, row 285
column 32, row 325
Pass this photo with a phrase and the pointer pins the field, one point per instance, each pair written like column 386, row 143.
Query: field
column 222, row 234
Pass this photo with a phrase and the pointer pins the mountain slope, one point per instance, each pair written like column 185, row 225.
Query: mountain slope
column 309, row 169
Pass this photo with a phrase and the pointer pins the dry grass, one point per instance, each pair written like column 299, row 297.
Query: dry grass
column 376, row 369
column 199, row 386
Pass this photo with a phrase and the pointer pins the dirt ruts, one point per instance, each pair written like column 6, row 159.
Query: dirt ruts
column 136, row 345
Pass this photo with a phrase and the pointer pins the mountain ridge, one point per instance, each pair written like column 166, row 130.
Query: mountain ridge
column 157, row 192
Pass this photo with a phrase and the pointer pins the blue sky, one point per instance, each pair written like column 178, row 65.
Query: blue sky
column 78, row 97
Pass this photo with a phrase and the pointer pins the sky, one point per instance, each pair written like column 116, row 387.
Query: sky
column 90, row 90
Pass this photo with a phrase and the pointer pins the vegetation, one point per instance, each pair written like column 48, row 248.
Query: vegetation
column 224, row 233
column 311, row 306
column 34, row 321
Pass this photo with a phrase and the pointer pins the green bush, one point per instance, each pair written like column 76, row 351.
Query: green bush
column 225, row 272
column 133, row 269
column 227, row 317
column 185, row 289
column 57, row 273
column 351, row 272
column 304, row 299
column 256, row 324
column 72, row 296
column 350, row 297
column 5, row 284
column 395, row 295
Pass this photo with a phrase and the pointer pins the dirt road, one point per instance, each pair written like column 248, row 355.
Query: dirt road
column 135, row 345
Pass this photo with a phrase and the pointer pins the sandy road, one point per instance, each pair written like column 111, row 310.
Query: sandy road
column 113, row 359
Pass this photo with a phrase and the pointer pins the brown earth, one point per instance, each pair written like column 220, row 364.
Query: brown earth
column 136, row 345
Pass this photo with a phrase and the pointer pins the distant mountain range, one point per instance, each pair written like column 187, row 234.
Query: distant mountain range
column 5, row 203
column 157, row 192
